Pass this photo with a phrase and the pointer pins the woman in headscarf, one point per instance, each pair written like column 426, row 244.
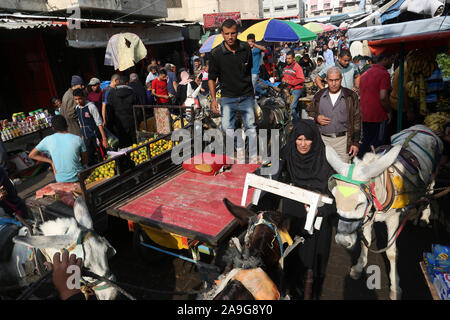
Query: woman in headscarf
column 304, row 165
column 182, row 90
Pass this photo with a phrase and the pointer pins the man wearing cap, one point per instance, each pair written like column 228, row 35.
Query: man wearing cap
column 95, row 93
column 68, row 106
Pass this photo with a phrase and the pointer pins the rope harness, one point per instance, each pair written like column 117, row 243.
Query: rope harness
column 368, row 188
column 396, row 198
column 88, row 287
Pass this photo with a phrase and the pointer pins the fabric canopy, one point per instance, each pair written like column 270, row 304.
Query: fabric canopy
column 428, row 40
column 405, row 29
column 413, row 34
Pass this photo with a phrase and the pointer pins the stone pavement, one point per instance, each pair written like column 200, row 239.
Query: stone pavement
column 411, row 244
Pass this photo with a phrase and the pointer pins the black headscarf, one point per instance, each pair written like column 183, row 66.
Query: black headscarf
column 312, row 170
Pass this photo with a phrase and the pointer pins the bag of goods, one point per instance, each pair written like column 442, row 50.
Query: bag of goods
column 441, row 254
column 442, row 284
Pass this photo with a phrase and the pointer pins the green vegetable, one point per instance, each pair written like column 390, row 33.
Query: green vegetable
column 443, row 61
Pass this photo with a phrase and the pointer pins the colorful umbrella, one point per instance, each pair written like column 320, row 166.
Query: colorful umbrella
column 314, row 27
column 274, row 30
column 210, row 43
column 329, row 27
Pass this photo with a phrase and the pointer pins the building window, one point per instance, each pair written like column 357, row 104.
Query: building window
column 291, row 6
column 326, row 5
column 279, row 8
column 314, row 7
column 174, row 4
column 266, row 10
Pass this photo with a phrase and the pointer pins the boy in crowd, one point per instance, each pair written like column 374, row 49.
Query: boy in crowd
column 91, row 125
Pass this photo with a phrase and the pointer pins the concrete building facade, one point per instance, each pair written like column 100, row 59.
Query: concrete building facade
column 140, row 8
column 330, row 7
column 193, row 10
column 311, row 8
column 281, row 8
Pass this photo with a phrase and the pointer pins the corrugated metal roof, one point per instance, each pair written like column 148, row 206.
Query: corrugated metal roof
column 13, row 24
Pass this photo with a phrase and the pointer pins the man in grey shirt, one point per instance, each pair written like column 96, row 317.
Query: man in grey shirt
column 337, row 112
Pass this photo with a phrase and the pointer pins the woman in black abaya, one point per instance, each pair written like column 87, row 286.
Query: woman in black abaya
column 304, row 165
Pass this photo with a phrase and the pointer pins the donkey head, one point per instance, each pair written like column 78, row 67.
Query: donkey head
column 77, row 236
column 262, row 243
column 352, row 201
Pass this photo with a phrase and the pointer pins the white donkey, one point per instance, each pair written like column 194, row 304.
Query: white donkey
column 387, row 184
column 74, row 234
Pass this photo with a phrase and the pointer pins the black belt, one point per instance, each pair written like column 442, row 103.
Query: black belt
column 334, row 135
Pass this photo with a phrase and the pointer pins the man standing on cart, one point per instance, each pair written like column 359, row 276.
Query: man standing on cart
column 232, row 63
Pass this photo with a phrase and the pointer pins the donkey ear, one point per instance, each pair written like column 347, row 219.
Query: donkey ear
column 241, row 213
column 81, row 213
column 335, row 161
column 56, row 242
column 382, row 163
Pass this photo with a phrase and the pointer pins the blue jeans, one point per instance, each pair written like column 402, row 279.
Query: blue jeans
column 255, row 78
column 245, row 106
column 296, row 94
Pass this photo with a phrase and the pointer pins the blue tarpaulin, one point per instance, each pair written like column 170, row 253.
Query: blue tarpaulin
column 392, row 12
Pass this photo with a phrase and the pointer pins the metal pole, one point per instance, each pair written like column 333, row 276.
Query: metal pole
column 400, row 87
column 273, row 63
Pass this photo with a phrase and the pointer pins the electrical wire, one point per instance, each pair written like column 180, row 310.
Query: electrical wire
column 150, row 4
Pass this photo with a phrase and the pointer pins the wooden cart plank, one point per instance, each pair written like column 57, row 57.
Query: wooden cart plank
column 433, row 291
column 192, row 203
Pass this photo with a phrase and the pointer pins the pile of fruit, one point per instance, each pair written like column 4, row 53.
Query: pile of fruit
column 177, row 124
column 141, row 155
column 420, row 64
column 138, row 156
column 105, row 171
column 437, row 121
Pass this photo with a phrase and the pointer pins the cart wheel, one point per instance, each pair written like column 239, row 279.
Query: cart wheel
column 146, row 254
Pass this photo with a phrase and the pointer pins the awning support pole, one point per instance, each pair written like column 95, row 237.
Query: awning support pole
column 400, row 87
column 273, row 63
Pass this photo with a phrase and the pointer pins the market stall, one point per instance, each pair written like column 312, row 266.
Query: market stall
column 19, row 134
column 403, row 38
column 423, row 47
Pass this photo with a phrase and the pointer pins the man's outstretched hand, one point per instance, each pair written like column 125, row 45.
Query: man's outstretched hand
column 60, row 275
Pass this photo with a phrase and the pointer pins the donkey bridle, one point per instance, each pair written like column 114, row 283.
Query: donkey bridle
column 269, row 224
